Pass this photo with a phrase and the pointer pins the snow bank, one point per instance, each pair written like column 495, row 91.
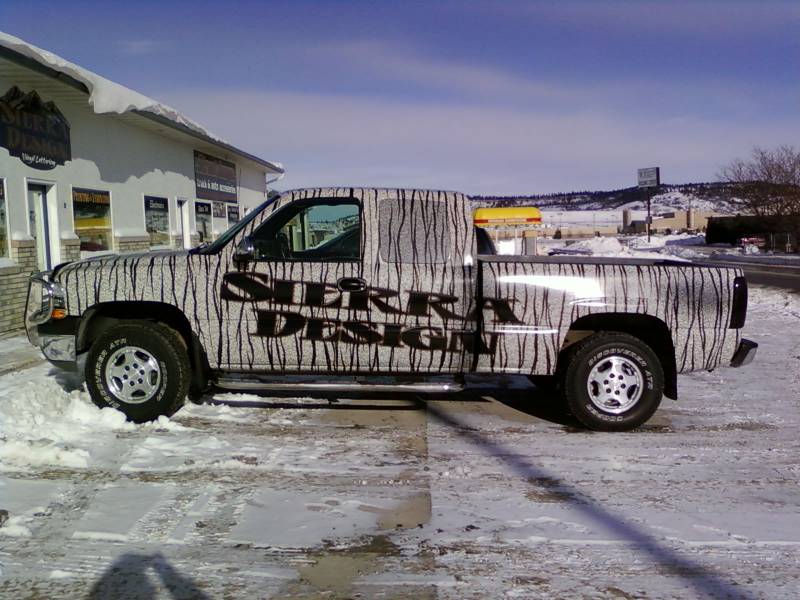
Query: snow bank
column 41, row 424
column 612, row 247
column 660, row 241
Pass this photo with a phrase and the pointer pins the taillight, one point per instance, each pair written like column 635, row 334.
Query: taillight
column 739, row 306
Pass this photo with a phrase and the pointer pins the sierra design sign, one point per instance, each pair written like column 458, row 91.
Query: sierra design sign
column 33, row 130
column 215, row 179
column 263, row 293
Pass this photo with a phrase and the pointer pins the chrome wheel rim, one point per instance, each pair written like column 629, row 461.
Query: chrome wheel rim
column 132, row 375
column 615, row 384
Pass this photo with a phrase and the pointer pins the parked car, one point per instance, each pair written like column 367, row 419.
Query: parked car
column 378, row 289
column 752, row 240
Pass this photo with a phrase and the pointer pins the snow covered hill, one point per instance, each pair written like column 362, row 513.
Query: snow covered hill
column 714, row 196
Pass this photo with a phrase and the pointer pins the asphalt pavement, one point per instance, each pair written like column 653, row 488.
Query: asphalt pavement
column 780, row 276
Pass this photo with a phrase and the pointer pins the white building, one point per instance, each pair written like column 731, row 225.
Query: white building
column 87, row 166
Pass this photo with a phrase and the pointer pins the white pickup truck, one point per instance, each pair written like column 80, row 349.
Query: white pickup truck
column 383, row 289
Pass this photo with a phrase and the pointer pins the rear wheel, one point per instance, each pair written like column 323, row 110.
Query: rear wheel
column 612, row 382
column 139, row 368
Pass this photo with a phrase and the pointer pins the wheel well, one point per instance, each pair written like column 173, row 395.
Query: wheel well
column 106, row 314
column 650, row 330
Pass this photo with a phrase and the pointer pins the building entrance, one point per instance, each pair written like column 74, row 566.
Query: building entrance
column 40, row 224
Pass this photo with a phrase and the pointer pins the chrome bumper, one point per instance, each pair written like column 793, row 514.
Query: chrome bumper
column 58, row 348
column 744, row 354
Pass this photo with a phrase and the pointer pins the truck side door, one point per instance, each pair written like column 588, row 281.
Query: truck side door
column 287, row 310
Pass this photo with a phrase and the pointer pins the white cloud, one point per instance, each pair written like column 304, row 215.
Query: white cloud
column 355, row 140
column 370, row 60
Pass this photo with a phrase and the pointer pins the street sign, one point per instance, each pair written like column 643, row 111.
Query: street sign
column 649, row 177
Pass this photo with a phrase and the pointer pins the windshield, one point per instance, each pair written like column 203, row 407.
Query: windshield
column 222, row 240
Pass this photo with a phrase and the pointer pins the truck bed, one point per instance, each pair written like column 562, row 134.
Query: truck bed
column 530, row 303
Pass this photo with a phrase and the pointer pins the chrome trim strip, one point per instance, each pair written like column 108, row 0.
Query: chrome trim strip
column 430, row 388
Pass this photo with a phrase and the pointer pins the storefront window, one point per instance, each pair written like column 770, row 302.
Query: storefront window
column 3, row 222
column 220, row 216
column 202, row 213
column 156, row 216
column 92, row 211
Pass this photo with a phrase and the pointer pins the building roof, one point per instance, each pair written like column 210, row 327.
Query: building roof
column 108, row 97
column 505, row 216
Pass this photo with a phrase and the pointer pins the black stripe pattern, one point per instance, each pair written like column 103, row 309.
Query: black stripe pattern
column 417, row 315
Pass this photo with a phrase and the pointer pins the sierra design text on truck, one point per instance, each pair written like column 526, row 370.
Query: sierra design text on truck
column 383, row 289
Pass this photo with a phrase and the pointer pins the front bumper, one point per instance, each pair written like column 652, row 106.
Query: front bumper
column 58, row 342
column 58, row 348
column 744, row 354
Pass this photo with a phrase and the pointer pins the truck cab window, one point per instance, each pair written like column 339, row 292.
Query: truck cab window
column 318, row 231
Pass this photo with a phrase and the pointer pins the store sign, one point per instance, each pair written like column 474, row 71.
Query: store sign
column 219, row 210
column 649, row 177
column 233, row 214
column 84, row 196
column 156, row 204
column 34, row 131
column 215, row 179
column 202, row 208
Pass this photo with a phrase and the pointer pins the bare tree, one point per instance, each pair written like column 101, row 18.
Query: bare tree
column 768, row 183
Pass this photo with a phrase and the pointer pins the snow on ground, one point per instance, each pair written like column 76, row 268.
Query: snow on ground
column 491, row 494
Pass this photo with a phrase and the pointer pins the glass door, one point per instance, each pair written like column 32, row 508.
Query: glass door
column 40, row 224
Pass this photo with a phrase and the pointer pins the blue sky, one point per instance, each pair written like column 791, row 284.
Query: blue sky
column 483, row 97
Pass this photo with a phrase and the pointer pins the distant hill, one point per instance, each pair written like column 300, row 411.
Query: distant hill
column 716, row 196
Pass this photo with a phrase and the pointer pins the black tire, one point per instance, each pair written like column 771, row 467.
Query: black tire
column 595, row 407
column 169, row 382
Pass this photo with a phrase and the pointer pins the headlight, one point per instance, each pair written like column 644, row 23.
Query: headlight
column 46, row 300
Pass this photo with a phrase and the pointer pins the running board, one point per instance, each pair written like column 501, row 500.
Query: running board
column 312, row 383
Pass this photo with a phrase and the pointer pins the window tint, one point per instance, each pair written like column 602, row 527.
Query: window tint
column 156, row 217
column 325, row 230
column 485, row 243
column 92, row 217
column 413, row 231
column 202, row 217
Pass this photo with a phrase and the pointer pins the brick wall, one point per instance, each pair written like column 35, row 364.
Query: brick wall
column 70, row 249
column 14, row 285
column 132, row 244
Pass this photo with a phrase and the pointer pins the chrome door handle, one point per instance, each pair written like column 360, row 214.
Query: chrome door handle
column 351, row 284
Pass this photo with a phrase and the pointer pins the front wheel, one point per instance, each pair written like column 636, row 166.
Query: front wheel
column 139, row 368
column 613, row 382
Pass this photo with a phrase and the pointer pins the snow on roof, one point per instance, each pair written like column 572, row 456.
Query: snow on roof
column 106, row 96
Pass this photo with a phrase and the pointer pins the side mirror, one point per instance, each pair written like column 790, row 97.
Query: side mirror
column 245, row 251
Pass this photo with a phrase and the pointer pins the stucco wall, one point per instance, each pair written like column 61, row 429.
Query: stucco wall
column 114, row 154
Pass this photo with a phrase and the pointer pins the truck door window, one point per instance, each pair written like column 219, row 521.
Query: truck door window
column 324, row 230
column 413, row 230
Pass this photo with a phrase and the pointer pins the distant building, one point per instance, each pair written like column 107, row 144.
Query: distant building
column 671, row 222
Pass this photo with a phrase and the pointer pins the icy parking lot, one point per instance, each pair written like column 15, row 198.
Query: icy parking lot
column 476, row 497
